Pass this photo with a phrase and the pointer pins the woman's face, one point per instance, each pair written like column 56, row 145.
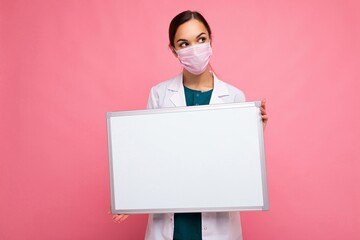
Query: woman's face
column 190, row 33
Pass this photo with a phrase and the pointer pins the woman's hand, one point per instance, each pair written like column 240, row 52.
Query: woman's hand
column 264, row 116
column 119, row 218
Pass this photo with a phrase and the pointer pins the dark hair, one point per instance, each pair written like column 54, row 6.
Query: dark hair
column 182, row 18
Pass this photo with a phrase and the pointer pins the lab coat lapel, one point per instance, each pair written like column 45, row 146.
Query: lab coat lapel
column 177, row 88
column 178, row 97
column 220, row 90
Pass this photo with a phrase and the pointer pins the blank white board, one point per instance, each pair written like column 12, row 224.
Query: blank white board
column 187, row 159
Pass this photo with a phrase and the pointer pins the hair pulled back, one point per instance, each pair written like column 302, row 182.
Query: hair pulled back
column 183, row 17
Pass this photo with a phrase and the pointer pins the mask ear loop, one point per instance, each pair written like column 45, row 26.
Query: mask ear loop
column 211, row 68
column 173, row 50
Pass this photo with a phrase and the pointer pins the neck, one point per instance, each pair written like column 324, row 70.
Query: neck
column 202, row 82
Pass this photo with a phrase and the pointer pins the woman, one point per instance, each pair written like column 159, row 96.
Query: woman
column 190, row 41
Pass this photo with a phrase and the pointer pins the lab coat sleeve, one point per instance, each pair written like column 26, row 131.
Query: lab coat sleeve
column 153, row 101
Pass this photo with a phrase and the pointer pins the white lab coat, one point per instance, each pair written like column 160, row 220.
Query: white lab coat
column 215, row 226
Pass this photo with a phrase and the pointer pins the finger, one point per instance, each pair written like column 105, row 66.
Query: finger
column 117, row 219
column 263, row 103
column 264, row 119
column 124, row 218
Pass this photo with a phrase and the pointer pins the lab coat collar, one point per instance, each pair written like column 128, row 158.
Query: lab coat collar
column 178, row 98
column 177, row 87
column 220, row 90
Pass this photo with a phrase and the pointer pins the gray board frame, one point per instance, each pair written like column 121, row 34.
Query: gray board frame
column 255, row 104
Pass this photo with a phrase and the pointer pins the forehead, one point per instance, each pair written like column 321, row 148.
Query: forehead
column 190, row 30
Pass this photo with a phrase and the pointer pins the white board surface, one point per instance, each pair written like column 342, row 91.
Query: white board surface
column 189, row 159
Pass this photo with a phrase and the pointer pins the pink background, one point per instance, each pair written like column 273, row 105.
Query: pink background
column 64, row 64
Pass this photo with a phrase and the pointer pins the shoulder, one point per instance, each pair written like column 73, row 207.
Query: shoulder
column 235, row 93
column 168, row 84
column 161, row 92
column 232, row 89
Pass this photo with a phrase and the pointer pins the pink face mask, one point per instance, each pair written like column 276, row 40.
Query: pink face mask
column 195, row 58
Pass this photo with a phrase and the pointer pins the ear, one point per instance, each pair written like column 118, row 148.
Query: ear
column 173, row 50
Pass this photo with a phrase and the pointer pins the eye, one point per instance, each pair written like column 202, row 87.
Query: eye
column 183, row 44
column 202, row 40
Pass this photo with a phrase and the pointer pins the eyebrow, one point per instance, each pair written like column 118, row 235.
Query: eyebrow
column 186, row 40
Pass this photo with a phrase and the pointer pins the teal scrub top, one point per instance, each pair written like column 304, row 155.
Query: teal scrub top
column 195, row 97
column 187, row 226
